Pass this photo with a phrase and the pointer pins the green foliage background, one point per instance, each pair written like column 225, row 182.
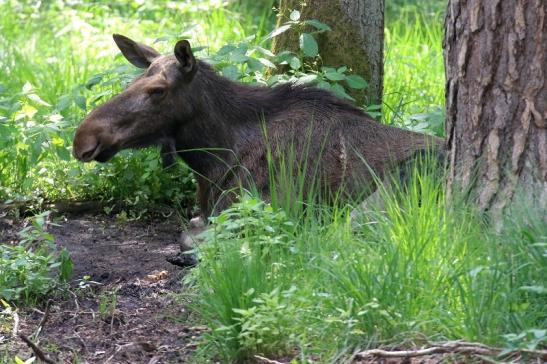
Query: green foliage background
column 58, row 61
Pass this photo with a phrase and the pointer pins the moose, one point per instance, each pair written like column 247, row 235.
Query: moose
column 228, row 132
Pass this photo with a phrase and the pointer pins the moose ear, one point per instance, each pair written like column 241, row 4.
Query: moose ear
column 139, row 55
column 184, row 55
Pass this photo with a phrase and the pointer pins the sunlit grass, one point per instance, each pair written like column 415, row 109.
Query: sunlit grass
column 414, row 69
column 317, row 285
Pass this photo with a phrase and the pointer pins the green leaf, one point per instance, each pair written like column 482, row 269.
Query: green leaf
column 295, row 63
column 340, row 91
column 318, row 25
column 307, row 79
column 225, row 50
column 356, row 82
column 295, row 15
column 264, row 51
column 237, row 57
column 324, row 85
column 335, row 76
column 198, row 49
column 534, row 289
column 65, row 272
column 163, row 38
column 79, row 100
column 374, row 107
column 308, row 45
column 94, row 80
column 63, row 102
column 254, row 65
column 266, row 62
column 231, row 72
column 63, row 154
column 38, row 100
column 284, row 56
column 27, row 87
column 539, row 334
column 277, row 31
column 100, row 95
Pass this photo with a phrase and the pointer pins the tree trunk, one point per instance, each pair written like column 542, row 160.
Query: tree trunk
column 356, row 39
column 495, row 100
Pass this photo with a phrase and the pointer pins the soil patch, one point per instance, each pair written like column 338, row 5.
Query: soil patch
column 125, row 311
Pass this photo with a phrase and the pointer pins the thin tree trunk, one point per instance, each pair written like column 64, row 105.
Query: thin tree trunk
column 356, row 39
column 495, row 99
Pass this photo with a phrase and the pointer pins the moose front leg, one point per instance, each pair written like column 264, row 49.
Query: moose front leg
column 168, row 154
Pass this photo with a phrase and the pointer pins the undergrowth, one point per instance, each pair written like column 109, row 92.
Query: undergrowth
column 317, row 285
column 34, row 266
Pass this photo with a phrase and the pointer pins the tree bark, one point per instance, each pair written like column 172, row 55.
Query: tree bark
column 356, row 39
column 495, row 98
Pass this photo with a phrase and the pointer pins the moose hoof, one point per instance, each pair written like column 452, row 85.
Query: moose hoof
column 196, row 222
column 185, row 260
column 190, row 239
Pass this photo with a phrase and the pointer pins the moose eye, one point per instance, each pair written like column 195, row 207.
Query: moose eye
column 157, row 92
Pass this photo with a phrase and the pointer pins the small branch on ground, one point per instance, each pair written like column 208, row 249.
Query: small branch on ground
column 262, row 359
column 133, row 347
column 36, row 350
column 62, row 206
column 452, row 347
column 15, row 324
column 43, row 320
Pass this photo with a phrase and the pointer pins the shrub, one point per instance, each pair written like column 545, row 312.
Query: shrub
column 34, row 267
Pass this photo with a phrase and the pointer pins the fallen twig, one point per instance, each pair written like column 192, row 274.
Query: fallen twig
column 43, row 321
column 132, row 347
column 15, row 324
column 62, row 206
column 37, row 351
column 266, row 360
column 456, row 347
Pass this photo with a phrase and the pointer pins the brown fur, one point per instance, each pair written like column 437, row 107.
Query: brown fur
column 224, row 130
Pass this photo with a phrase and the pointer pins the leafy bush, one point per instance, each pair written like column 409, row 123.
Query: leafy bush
column 249, row 309
column 33, row 268
column 248, row 60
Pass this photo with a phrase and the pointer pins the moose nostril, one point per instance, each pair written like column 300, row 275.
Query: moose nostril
column 88, row 154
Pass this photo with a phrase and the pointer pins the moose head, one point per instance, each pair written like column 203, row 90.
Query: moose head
column 147, row 112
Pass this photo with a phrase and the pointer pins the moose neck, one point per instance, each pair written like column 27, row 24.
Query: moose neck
column 227, row 113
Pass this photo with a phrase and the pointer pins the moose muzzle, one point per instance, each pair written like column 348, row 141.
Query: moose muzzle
column 91, row 142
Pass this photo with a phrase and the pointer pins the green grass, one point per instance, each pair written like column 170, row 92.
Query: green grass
column 316, row 285
column 414, row 69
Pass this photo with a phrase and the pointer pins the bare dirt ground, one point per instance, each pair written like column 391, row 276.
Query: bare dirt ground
column 126, row 311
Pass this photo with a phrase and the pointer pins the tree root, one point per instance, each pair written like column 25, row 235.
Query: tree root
column 265, row 360
column 451, row 347
column 37, row 351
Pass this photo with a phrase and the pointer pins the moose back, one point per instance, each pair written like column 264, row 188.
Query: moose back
column 230, row 133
